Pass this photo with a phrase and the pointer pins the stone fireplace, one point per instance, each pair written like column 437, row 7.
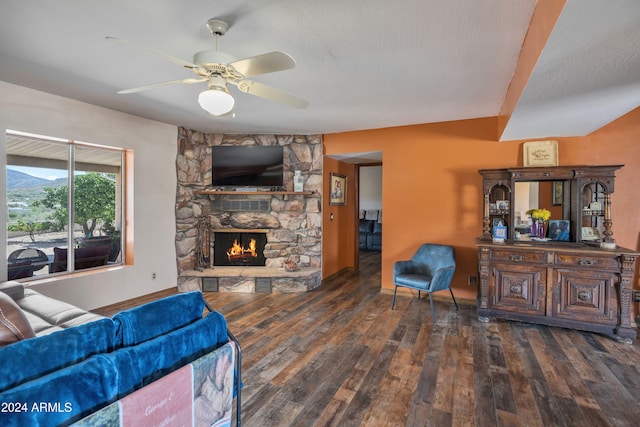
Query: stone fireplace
column 289, row 224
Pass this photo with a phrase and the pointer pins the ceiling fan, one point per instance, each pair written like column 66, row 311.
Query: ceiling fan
column 218, row 69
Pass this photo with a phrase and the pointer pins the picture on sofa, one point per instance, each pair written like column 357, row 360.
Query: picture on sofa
column 197, row 394
column 212, row 385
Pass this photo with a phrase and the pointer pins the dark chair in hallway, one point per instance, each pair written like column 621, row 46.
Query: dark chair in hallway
column 429, row 270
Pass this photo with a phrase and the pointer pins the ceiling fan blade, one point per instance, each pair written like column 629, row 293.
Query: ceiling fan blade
column 263, row 64
column 152, row 52
column 157, row 85
column 271, row 93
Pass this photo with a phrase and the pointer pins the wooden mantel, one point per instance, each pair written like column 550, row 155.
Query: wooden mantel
column 252, row 193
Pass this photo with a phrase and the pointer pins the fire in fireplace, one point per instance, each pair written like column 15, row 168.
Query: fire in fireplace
column 239, row 249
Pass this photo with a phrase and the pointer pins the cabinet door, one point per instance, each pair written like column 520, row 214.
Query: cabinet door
column 585, row 295
column 518, row 288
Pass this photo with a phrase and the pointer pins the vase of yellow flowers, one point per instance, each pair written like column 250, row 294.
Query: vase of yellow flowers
column 538, row 218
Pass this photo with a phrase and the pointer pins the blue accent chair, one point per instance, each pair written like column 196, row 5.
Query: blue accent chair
column 429, row 270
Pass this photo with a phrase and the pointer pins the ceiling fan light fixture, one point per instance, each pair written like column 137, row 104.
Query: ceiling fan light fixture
column 216, row 100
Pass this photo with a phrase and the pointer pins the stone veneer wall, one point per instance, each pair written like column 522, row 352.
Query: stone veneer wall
column 294, row 222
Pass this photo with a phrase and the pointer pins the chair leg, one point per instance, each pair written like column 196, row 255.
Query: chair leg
column 418, row 294
column 454, row 298
column 393, row 301
column 433, row 312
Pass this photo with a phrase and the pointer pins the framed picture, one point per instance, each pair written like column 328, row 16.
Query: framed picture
column 595, row 206
column 559, row 229
column 499, row 233
column 338, row 186
column 502, row 205
column 540, row 153
column 556, row 197
column 590, row 233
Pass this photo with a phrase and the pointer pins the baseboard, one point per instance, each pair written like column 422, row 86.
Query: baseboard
column 339, row 273
column 111, row 309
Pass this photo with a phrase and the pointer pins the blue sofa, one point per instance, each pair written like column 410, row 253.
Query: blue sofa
column 370, row 237
column 160, row 363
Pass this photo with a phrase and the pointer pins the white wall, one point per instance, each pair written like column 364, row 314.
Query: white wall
column 154, row 145
column 370, row 183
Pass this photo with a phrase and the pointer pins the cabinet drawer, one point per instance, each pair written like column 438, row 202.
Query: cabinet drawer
column 587, row 261
column 517, row 256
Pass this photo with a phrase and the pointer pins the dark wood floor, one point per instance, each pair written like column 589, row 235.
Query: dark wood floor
column 339, row 356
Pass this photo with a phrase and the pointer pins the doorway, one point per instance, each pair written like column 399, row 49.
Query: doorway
column 369, row 212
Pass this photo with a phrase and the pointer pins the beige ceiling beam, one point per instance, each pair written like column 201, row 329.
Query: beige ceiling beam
column 543, row 20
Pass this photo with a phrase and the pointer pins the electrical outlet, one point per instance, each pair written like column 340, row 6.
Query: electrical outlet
column 636, row 296
column 153, row 276
column 472, row 281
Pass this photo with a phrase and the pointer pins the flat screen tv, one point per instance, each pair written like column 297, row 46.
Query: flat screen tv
column 247, row 166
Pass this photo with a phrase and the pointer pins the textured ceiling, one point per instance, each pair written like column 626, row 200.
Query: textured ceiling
column 361, row 64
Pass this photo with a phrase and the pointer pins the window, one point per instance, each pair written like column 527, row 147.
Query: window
column 45, row 176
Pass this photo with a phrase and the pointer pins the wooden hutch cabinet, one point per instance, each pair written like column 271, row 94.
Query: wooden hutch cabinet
column 584, row 283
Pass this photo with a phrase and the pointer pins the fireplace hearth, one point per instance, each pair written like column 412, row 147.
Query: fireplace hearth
column 239, row 249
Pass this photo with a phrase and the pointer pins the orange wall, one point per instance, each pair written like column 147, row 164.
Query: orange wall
column 545, row 196
column 431, row 189
column 338, row 234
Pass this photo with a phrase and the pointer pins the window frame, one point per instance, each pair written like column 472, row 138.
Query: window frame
column 122, row 198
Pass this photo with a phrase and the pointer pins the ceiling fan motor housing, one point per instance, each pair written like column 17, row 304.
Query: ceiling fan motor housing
column 207, row 57
column 215, row 62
